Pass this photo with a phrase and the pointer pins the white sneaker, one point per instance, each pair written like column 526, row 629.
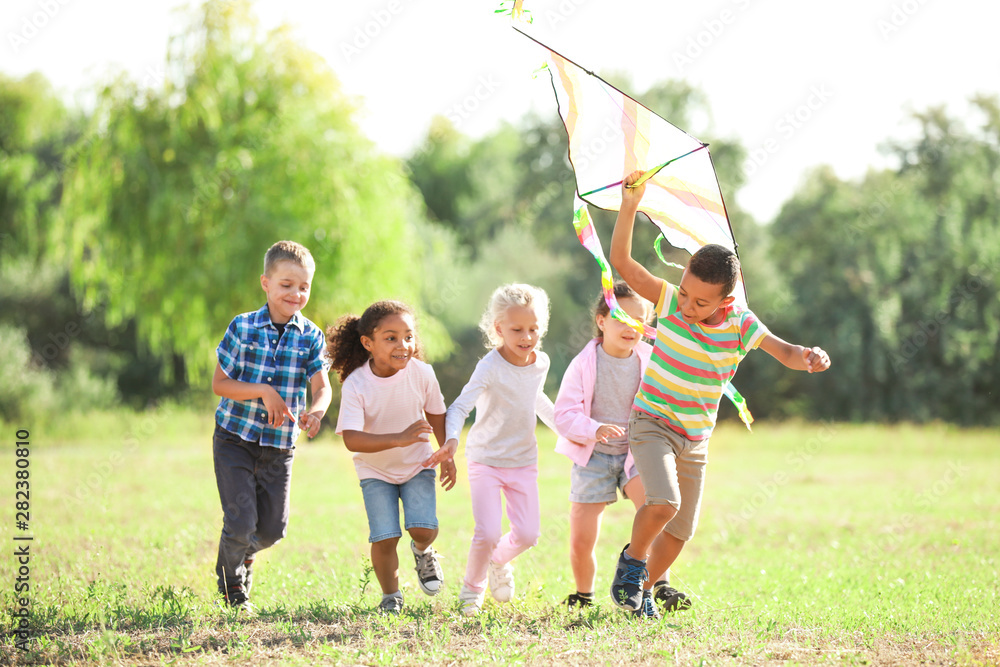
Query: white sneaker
column 502, row 582
column 471, row 601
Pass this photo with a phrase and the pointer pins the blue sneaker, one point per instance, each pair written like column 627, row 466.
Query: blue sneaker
column 647, row 611
column 626, row 588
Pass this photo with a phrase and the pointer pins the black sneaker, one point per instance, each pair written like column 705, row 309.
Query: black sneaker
column 248, row 575
column 670, row 598
column 626, row 588
column 429, row 574
column 236, row 598
column 577, row 600
column 647, row 610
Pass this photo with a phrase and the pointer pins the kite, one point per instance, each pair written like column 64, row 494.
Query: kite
column 611, row 134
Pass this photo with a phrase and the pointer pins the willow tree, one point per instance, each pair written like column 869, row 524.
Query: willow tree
column 176, row 191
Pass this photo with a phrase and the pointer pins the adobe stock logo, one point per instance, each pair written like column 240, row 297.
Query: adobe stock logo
column 370, row 30
column 32, row 24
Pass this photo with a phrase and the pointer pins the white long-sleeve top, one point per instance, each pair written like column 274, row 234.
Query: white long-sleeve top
column 506, row 398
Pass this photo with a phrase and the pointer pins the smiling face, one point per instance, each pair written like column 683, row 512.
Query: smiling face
column 287, row 288
column 392, row 344
column 699, row 301
column 519, row 331
column 619, row 338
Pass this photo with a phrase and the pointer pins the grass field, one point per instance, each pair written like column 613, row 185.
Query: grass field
column 818, row 544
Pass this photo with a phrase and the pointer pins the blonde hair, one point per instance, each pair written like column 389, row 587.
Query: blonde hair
column 288, row 251
column 506, row 296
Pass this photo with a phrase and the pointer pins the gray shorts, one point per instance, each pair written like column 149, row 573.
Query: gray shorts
column 672, row 470
column 600, row 479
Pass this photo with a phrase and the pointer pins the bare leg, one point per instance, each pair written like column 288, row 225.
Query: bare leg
column 584, row 529
column 648, row 523
column 385, row 561
column 662, row 554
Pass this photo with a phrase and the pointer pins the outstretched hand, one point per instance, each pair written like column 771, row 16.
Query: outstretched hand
column 444, row 454
column 815, row 359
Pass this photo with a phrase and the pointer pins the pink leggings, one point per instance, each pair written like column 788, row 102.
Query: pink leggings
column 520, row 489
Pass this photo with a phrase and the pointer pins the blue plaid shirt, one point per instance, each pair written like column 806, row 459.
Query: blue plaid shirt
column 252, row 352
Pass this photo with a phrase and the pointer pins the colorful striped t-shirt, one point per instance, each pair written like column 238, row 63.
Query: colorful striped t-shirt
column 692, row 364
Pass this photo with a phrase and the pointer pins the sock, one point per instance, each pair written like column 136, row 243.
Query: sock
column 661, row 582
column 397, row 594
column 586, row 596
column 637, row 560
column 414, row 549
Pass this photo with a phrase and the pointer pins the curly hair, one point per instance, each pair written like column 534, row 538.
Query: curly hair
column 343, row 339
column 716, row 265
column 621, row 290
column 514, row 294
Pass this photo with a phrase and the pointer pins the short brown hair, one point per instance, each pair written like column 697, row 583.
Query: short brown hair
column 289, row 251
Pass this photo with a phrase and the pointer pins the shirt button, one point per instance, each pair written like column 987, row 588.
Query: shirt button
column 268, row 379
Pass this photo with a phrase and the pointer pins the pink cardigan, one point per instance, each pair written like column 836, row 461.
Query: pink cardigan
column 576, row 392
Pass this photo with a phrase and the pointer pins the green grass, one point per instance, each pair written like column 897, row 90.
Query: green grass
column 818, row 544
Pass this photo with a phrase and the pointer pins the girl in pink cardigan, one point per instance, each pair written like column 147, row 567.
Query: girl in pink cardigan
column 591, row 413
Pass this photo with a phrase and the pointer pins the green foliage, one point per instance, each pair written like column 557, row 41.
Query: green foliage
column 897, row 275
column 34, row 127
column 178, row 191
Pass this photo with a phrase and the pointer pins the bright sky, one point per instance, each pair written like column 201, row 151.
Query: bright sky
column 799, row 83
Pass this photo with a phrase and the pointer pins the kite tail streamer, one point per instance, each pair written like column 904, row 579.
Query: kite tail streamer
column 740, row 404
column 659, row 253
column 587, row 234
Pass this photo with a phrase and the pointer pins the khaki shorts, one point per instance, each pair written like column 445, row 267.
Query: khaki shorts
column 672, row 470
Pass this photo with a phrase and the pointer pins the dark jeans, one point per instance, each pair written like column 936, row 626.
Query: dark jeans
column 254, row 484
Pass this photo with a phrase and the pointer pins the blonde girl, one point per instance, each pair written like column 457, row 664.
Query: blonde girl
column 506, row 391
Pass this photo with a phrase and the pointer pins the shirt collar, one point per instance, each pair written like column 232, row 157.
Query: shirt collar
column 262, row 320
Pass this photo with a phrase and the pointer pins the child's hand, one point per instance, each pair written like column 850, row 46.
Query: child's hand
column 607, row 431
column 418, row 431
column 815, row 359
column 310, row 423
column 633, row 196
column 449, row 474
column 445, row 454
column 277, row 410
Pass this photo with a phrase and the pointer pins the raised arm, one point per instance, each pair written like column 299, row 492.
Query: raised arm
column 796, row 357
column 635, row 274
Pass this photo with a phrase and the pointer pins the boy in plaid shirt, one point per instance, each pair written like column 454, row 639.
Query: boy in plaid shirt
column 265, row 360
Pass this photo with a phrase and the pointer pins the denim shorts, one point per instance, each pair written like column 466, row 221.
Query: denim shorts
column 599, row 480
column 382, row 505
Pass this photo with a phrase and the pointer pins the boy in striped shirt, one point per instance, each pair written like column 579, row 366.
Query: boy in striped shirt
column 701, row 336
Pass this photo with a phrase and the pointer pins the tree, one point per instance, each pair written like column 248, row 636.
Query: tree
column 177, row 191
column 897, row 275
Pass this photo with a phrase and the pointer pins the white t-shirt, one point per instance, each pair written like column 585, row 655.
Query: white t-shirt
column 374, row 404
column 506, row 398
